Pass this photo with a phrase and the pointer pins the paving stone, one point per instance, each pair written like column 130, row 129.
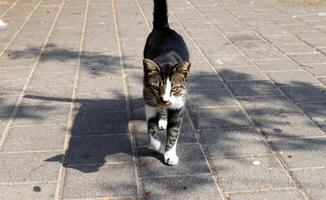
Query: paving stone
column 101, row 103
column 287, row 126
column 210, row 98
column 277, row 65
column 203, row 82
column 99, row 86
column 189, row 187
column 228, row 117
column 263, row 54
column 42, row 114
column 7, row 105
column 306, row 93
column 316, row 69
column 228, row 61
column 281, row 195
column 309, row 58
column 44, row 191
column 317, row 112
column 116, row 180
column 221, row 143
column 99, row 149
column 253, row 88
column 313, row 182
column 268, row 105
column 239, row 174
column 11, row 88
column 191, row 161
column 12, row 74
column 35, row 138
column 292, row 78
column 241, row 74
column 57, row 79
column 100, row 123
column 26, row 167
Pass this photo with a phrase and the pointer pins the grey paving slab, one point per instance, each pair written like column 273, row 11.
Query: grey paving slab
column 241, row 74
column 277, row 65
column 301, row 152
column 189, row 187
column 287, row 126
column 39, row 191
column 316, row 112
column 203, row 82
column 99, row 149
column 26, row 167
column 35, row 138
column 281, row 195
column 100, row 123
column 313, row 182
column 292, row 78
column 116, row 180
column 306, row 93
column 7, row 105
column 228, row 117
column 316, row 69
column 191, row 162
column 268, row 105
column 253, row 88
column 309, row 58
column 251, row 173
column 219, row 143
column 210, row 98
column 98, row 86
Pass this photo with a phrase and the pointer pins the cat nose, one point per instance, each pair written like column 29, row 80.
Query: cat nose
column 164, row 101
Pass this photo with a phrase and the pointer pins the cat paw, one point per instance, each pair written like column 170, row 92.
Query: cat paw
column 162, row 124
column 171, row 159
column 154, row 143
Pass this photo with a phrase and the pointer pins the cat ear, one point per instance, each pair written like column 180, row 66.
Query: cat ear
column 183, row 68
column 150, row 66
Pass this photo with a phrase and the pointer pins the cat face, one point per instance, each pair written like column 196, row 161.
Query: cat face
column 165, row 89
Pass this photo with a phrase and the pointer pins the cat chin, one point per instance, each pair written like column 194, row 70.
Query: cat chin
column 177, row 103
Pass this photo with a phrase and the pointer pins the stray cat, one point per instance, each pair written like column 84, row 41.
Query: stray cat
column 166, row 68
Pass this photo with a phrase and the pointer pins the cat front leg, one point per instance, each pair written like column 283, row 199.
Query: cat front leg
column 173, row 129
column 163, row 119
column 152, row 117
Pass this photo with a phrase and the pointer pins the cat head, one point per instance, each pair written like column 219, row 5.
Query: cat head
column 166, row 88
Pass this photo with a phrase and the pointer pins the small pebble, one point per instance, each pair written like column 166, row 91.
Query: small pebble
column 36, row 189
column 256, row 162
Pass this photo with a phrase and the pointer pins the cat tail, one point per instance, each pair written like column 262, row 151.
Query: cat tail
column 160, row 14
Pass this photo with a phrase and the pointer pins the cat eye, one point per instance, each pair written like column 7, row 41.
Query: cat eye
column 175, row 89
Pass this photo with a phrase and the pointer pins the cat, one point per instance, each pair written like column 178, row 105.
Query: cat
column 166, row 69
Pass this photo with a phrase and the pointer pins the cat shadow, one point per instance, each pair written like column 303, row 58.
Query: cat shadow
column 99, row 134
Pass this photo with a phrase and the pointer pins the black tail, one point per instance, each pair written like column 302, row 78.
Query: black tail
column 160, row 14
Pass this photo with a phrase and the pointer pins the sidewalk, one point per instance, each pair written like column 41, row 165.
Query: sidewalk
column 72, row 117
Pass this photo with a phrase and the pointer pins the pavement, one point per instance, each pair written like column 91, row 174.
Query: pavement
column 72, row 122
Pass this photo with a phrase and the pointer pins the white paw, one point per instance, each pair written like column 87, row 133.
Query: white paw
column 162, row 124
column 171, row 159
column 154, row 143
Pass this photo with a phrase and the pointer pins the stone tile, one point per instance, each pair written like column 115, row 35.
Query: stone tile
column 277, row 65
column 313, row 182
column 116, row 180
column 219, row 143
column 239, row 174
column 316, row 69
column 210, row 98
column 268, row 105
column 302, row 152
column 201, row 69
column 228, row 117
column 264, row 54
column 253, row 45
column 99, row 149
column 191, row 161
column 309, row 58
column 26, row 167
column 13, row 74
column 189, row 187
column 241, row 74
column 253, row 88
column 12, row 88
column 57, row 79
column 100, row 86
column 287, row 126
column 7, row 105
column 287, row 79
column 42, row 114
column 295, row 48
column 317, row 112
column 203, row 82
column 35, row 138
column 49, row 94
column 306, row 93
column 100, row 123
column 44, row 191
column 228, row 61
column 280, row 195
column 101, row 103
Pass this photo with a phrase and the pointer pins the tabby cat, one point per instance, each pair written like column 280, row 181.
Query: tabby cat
column 166, row 68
